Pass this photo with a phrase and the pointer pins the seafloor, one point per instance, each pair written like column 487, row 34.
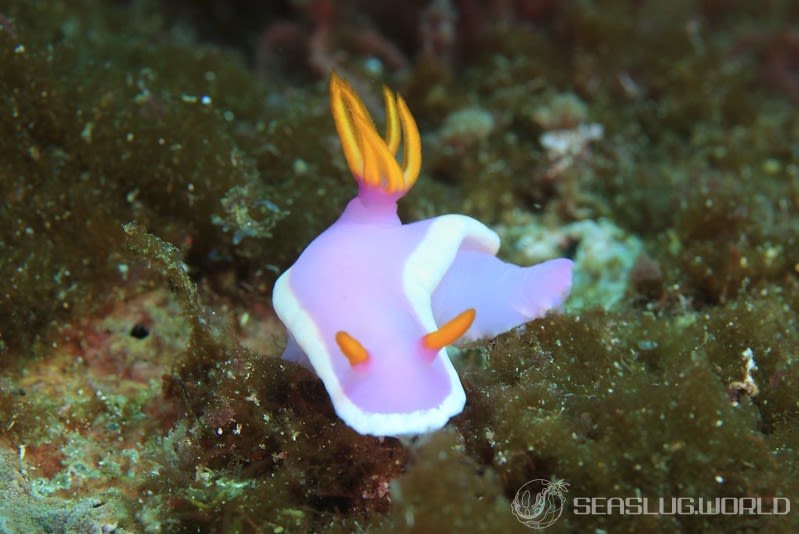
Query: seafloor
column 162, row 162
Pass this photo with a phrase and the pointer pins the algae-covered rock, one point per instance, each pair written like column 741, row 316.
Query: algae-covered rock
column 102, row 129
column 25, row 510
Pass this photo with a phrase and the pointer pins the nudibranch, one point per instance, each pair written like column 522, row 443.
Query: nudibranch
column 371, row 304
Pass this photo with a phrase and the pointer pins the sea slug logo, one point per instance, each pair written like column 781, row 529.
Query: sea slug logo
column 539, row 503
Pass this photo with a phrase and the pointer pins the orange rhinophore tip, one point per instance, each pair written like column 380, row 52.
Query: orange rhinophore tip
column 371, row 158
column 449, row 332
column 351, row 348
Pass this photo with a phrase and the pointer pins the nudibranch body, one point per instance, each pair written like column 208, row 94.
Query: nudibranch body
column 371, row 303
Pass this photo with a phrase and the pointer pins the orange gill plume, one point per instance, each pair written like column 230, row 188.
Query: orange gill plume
column 371, row 158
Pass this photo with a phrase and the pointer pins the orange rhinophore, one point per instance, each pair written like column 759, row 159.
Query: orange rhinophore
column 450, row 331
column 351, row 348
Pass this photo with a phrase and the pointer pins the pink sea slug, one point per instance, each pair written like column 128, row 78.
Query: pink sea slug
column 371, row 303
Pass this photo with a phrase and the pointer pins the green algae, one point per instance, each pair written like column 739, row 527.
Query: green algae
column 572, row 393
column 92, row 144
column 121, row 171
column 26, row 512
column 464, row 496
